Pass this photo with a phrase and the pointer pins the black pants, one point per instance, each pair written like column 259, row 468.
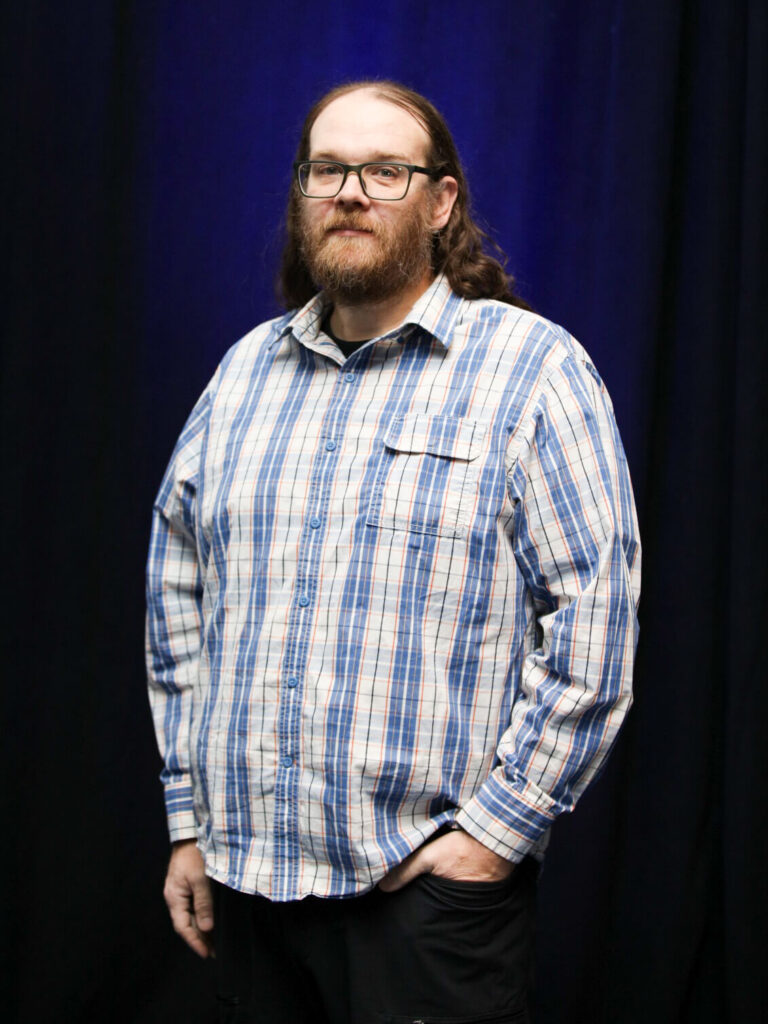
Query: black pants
column 437, row 950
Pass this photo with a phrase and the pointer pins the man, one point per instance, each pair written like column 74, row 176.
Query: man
column 392, row 589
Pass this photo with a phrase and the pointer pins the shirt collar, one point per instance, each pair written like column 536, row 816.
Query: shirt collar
column 437, row 312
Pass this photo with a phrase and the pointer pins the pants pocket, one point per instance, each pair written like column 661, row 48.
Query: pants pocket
column 445, row 951
column 466, row 895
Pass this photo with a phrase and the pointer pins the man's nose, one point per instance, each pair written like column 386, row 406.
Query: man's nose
column 352, row 190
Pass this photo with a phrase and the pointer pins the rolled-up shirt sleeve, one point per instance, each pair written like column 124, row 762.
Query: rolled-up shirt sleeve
column 174, row 626
column 575, row 541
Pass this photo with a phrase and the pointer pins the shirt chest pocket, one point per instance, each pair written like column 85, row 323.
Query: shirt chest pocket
column 427, row 476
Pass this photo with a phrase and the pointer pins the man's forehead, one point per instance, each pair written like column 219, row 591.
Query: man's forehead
column 362, row 123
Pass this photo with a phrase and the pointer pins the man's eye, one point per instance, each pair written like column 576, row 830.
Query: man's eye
column 326, row 170
column 385, row 172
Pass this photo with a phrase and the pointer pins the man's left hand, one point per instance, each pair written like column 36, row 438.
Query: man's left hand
column 455, row 855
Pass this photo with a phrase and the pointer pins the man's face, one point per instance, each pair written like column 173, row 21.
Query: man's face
column 360, row 249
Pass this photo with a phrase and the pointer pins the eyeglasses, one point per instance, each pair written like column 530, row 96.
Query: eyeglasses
column 322, row 179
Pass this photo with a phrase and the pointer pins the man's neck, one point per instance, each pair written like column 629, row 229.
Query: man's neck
column 370, row 320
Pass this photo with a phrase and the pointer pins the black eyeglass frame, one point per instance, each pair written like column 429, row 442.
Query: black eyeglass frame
column 358, row 170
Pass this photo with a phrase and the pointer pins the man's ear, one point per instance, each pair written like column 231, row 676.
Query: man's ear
column 444, row 197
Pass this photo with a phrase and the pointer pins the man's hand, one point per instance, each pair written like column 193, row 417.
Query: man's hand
column 455, row 855
column 188, row 895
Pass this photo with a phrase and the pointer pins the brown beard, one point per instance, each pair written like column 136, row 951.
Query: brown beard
column 370, row 269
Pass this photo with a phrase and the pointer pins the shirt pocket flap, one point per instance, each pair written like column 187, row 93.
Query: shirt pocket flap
column 451, row 437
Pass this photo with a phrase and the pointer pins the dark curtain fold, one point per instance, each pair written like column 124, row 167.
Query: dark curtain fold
column 619, row 153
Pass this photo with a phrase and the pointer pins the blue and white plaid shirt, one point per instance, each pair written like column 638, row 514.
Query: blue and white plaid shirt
column 388, row 593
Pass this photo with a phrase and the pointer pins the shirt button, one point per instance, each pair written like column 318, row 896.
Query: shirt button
column 330, row 445
column 314, row 522
column 287, row 761
column 349, row 378
column 303, row 600
column 293, row 681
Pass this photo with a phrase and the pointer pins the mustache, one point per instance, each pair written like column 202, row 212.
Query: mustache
column 348, row 223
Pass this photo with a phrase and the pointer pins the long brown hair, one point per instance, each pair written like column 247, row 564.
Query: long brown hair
column 458, row 250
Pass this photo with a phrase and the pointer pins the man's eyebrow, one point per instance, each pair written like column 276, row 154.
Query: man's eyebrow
column 373, row 158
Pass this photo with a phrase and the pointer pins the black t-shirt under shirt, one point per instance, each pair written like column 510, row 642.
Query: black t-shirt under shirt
column 347, row 347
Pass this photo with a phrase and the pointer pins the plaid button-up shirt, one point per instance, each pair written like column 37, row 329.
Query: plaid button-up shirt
column 389, row 592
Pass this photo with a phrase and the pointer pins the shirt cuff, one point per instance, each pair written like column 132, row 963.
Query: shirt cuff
column 509, row 818
column 180, row 810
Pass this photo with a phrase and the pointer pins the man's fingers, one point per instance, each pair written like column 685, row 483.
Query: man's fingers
column 404, row 873
column 183, row 920
column 203, row 903
column 186, row 928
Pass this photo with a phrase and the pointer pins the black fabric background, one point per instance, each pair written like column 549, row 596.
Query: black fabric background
column 619, row 152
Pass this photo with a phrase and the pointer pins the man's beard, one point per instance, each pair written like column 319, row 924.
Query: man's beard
column 356, row 270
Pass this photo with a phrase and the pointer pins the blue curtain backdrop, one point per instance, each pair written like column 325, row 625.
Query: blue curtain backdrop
column 618, row 152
